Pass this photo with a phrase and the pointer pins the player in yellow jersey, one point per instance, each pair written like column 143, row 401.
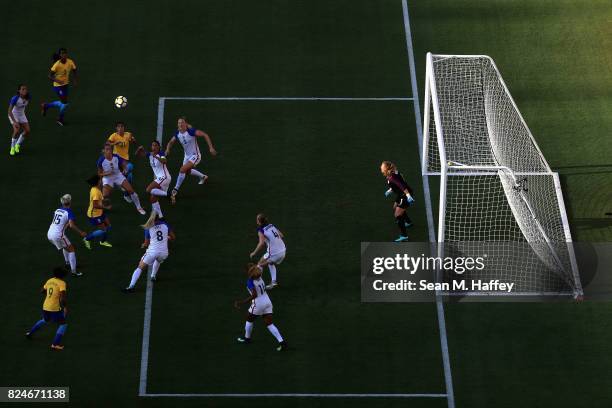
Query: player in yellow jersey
column 62, row 70
column 95, row 213
column 55, row 308
column 120, row 140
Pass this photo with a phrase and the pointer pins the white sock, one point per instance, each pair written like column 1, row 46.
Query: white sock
column 179, row 181
column 135, row 277
column 13, row 140
column 159, row 192
column 157, row 208
column 20, row 140
column 72, row 257
column 135, row 199
column 248, row 329
column 66, row 256
column 272, row 269
column 155, row 267
column 275, row 333
column 196, row 173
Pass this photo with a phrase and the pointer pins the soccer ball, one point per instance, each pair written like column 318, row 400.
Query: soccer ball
column 121, row 102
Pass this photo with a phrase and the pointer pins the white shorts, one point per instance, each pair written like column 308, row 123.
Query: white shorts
column 113, row 180
column 164, row 182
column 195, row 159
column 19, row 118
column 60, row 241
column 151, row 256
column 260, row 307
column 276, row 259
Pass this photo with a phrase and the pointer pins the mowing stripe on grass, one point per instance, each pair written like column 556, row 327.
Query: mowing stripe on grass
column 448, row 378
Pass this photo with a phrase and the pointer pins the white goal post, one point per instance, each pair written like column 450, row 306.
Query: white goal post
column 498, row 195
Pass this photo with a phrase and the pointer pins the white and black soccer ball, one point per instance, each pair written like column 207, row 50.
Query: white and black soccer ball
column 121, row 102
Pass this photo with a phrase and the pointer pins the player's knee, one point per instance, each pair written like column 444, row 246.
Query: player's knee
column 70, row 248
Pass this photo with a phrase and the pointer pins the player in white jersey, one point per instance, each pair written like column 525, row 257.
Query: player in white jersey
column 261, row 305
column 187, row 136
column 161, row 176
column 157, row 235
column 18, row 119
column 64, row 217
column 272, row 239
column 111, row 168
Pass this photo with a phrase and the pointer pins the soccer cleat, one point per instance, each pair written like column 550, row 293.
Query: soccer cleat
column 43, row 109
column 57, row 347
column 86, row 243
column 153, row 278
column 60, row 122
column 12, row 152
column 203, row 179
column 141, row 211
column 401, row 238
column 408, row 224
column 282, row 346
column 77, row 273
column 128, row 290
column 28, row 335
column 106, row 244
column 17, row 148
column 127, row 198
column 272, row 285
column 243, row 340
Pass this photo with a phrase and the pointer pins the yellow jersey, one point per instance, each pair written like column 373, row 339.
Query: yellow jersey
column 95, row 194
column 122, row 144
column 54, row 287
column 62, row 71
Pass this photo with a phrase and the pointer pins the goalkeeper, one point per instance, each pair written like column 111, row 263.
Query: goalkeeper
column 403, row 197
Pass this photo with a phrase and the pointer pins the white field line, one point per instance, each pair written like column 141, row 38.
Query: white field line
column 448, row 379
column 146, row 331
column 286, row 98
column 295, row 395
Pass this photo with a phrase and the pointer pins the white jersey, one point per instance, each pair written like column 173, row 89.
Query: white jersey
column 275, row 243
column 189, row 142
column 61, row 217
column 158, row 237
column 19, row 104
column 262, row 304
column 160, row 171
column 112, row 166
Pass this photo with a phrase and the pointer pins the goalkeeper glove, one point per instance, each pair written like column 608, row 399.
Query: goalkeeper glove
column 409, row 199
column 388, row 192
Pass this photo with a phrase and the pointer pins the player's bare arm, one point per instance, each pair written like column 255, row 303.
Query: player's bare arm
column 169, row 146
column 238, row 303
column 10, row 113
column 211, row 148
column 260, row 245
column 73, row 226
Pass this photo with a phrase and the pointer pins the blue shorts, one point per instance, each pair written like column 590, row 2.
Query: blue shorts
column 97, row 220
column 54, row 316
column 61, row 90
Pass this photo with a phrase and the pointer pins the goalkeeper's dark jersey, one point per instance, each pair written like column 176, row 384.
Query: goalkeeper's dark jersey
column 397, row 183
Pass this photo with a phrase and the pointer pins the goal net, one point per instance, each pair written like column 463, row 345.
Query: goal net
column 498, row 195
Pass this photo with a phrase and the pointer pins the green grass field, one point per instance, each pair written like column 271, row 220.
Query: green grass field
column 312, row 166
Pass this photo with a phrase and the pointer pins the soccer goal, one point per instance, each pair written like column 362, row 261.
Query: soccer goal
column 498, row 195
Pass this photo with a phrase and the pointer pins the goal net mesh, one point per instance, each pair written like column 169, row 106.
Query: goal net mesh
column 501, row 198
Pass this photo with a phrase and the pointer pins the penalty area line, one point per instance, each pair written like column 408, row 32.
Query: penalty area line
column 284, row 98
column 296, row 395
